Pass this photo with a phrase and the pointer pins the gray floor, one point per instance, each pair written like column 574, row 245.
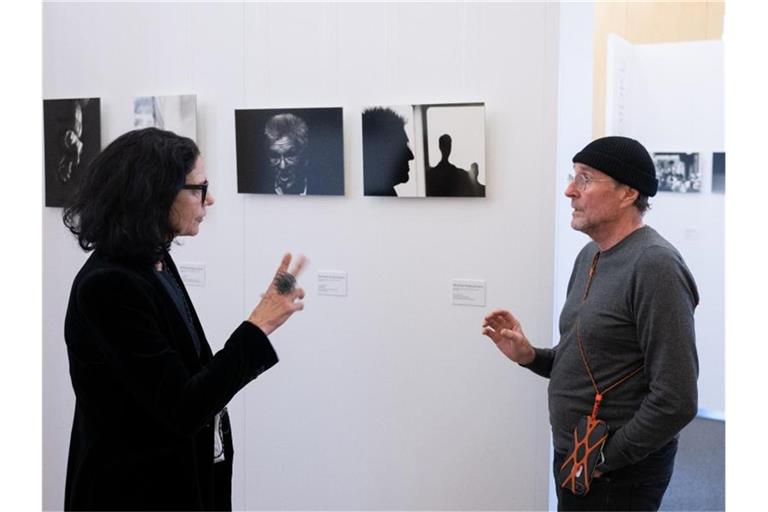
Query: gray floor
column 698, row 482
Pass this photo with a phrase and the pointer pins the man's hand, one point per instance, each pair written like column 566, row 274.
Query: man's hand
column 276, row 307
column 507, row 334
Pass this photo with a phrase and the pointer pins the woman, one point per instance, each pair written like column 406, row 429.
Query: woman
column 151, row 429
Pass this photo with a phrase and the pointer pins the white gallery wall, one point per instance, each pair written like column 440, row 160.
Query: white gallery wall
column 574, row 130
column 671, row 97
column 388, row 398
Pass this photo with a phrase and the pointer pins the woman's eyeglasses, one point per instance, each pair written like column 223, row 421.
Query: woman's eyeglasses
column 201, row 186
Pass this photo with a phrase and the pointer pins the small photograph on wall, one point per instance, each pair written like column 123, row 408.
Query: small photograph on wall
column 72, row 138
column 389, row 167
column 678, row 172
column 297, row 151
column 454, row 149
column 177, row 114
column 427, row 150
column 718, row 173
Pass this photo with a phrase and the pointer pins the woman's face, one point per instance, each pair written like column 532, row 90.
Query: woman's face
column 188, row 209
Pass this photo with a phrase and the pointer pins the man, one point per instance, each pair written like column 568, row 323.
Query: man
column 627, row 319
column 477, row 188
column 386, row 154
column 287, row 138
column 445, row 179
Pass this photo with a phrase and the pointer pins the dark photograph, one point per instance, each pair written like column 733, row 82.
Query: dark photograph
column 432, row 150
column 678, row 172
column 718, row 173
column 290, row 151
column 388, row 157
column 72, row 133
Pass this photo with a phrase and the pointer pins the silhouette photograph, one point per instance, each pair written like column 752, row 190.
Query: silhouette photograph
column 290, row 151
column 454, row 143
column 431, row 150
column 72, row 132
column 387, row 154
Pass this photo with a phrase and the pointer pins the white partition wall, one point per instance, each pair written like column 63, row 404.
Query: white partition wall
column 670, row 96
column 574, row 130
column 389, row 397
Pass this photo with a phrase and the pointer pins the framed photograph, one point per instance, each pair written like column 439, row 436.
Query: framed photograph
column 678, row 172
column 72, row 138
column 177, row 114
column 297, row 151
column 718, row 173
column 428, row 150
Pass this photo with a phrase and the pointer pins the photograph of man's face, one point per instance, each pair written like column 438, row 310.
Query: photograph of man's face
column 290, row 151
column 72, row 129
column 286, row 137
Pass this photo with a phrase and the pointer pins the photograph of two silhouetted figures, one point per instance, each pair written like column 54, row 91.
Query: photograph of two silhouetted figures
column 408, row 151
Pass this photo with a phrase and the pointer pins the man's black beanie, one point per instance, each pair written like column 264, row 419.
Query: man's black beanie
column 624, row 160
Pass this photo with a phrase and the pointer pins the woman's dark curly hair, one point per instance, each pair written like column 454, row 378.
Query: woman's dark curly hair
column 122, row 206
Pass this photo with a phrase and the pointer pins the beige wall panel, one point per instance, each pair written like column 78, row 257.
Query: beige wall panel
column 715, row 15
column 666, row 22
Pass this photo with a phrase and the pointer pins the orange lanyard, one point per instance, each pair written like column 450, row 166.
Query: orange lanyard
column 598, row 394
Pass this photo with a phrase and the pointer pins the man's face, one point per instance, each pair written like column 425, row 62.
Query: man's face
column 405, row 156
column 286, row 158
column 597, row 208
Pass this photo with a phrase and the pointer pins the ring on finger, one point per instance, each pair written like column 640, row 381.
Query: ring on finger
column 285, row 283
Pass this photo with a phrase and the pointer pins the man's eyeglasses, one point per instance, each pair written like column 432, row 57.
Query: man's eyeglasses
column 201, row 186
column 582, row 180
column 288, row 160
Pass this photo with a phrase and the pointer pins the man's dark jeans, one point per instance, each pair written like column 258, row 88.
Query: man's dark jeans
column 637, row 487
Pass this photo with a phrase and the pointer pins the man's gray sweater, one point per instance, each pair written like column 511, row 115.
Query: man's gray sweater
column 637, row 311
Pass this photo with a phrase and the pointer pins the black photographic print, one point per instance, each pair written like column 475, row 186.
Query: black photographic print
column 295, row 151
column 177, row 114
column 388, row 152
column 427, row 150
column 72, row 138
column 678, row 172
column 718, row 173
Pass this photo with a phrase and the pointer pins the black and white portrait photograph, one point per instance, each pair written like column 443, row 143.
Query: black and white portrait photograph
column 429, row 150
column 290, row 151
column 72, row 132
column 389, row 167
column 678, row 172
column 454, row 149
column 718, row 173
column 177, row 114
